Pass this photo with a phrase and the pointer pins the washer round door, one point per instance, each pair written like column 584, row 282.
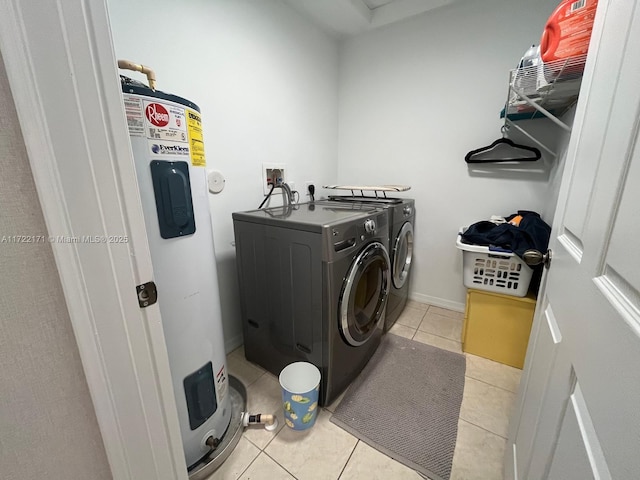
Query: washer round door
column 402, row 255
column 364, row 294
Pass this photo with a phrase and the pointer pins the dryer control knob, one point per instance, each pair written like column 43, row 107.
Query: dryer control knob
column 370, row 226
column 406, row 211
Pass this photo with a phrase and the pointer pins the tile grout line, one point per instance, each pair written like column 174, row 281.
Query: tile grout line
column 348, row 459
column 476, row 379
column 482, row 428
column 414, row 308
column 436, row 335
column 435, row 346
column 490, row 384
column 406, row 326
column 421, row 319
column 447, row 309
column 467, row 376
column 270, row 440
column 276, row 462
column 250, row 463
column 262, row 449
column 479, row 426
column 248, row 384
column 249, row 440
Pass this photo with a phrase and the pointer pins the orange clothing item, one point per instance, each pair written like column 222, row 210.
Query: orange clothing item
column 516, row 220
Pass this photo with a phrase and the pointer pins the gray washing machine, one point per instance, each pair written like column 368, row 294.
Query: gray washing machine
column 314, row 282
column 401, row 220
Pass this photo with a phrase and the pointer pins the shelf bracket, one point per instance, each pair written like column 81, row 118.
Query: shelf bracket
column 542, row 110
column 510, row 124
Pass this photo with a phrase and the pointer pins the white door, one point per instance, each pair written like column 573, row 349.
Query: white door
column 578, row 409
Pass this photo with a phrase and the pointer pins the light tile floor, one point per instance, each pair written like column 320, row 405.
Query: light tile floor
column 328, row 452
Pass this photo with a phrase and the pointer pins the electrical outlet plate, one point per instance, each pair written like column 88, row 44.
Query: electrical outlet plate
column 306, row 188
column 272, row 172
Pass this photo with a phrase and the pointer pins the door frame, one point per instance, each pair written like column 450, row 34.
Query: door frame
column 60, row 54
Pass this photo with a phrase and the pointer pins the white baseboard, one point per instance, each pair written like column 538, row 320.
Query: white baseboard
column 438, row 302
column 230, row 344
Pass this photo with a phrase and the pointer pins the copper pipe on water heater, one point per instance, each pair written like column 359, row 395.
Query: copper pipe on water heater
column 136, row 67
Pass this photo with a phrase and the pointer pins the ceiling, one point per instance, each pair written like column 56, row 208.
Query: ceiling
column 351, row 17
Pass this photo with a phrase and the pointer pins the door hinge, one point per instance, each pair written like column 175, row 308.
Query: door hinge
column 147, row 294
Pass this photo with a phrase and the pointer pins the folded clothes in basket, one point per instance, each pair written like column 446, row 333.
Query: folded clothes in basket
column 531, row 233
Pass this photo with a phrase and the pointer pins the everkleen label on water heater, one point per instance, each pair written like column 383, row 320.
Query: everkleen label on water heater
column 196, row 141
column 173, row 149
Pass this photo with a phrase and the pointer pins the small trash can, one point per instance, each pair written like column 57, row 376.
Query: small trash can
column 300, row 382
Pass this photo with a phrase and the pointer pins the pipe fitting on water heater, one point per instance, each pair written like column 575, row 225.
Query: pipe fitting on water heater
column 137, row 67
column 270, row 422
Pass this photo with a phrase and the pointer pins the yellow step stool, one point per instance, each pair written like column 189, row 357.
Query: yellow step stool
column 497, row 326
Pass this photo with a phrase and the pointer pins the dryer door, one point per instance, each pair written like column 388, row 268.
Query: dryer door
column 364, row 294
column 402, row 254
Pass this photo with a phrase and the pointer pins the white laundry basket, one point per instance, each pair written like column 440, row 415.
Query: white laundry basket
column 496, row 271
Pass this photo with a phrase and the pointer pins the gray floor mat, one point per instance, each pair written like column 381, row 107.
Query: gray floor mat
column 406, row 403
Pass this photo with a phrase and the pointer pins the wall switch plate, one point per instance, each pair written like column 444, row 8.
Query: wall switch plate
column 272, row 173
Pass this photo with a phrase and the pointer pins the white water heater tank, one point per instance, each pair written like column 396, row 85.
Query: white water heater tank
column 168, row 149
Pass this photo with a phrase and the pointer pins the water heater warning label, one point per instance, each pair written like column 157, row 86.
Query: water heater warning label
column 221, row 383
column 135, row 119
column 196, row 142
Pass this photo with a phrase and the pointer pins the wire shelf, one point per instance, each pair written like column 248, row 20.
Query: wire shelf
column 370, row 188
column 553, row 86
column 378, row 192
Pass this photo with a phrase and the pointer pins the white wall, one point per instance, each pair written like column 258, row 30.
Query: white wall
column 400, row 104
column 556, row 170
column 414, row 98
column 266, row 81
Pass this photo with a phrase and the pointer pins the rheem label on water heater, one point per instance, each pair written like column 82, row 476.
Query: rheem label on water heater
column 157, row 114
column 170, row 129
column 165, row 122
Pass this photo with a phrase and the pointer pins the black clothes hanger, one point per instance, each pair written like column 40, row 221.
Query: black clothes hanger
column 503, row 150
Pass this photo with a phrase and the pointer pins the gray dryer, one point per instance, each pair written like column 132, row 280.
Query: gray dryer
column 401, row 213
column 314, row 283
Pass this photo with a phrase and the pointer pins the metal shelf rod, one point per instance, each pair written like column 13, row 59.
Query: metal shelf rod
column 542, row 110
column 510, row 124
